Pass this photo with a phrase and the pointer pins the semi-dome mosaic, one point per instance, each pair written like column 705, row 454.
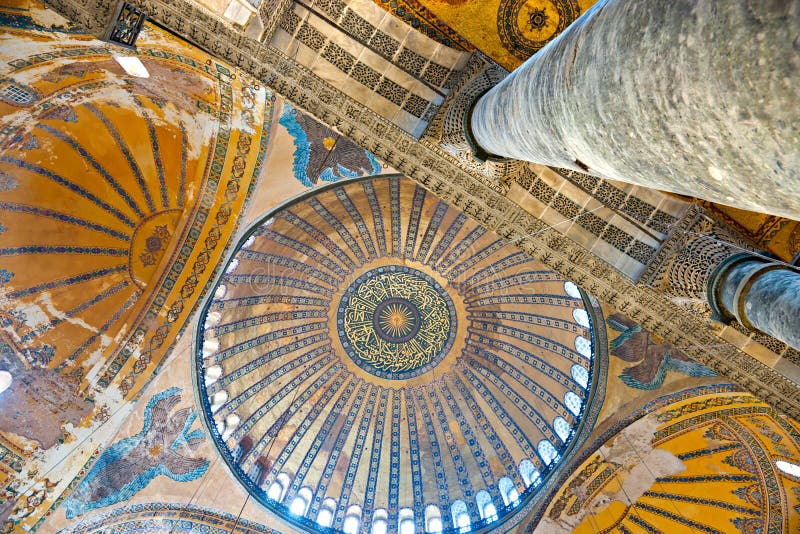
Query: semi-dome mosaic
column 367, row 368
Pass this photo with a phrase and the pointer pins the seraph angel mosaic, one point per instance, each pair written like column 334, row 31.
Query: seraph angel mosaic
column 652, row 358
column 162, row 447
column 322, row 154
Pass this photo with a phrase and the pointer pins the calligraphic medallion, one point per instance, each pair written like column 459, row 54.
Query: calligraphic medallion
column 396, row 322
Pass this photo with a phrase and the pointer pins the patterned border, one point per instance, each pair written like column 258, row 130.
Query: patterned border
column 174, row 517
column 419, row 17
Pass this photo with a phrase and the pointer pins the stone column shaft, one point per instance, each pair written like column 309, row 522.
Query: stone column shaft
column 697, row 97
column 703, row 262
column 760, row 294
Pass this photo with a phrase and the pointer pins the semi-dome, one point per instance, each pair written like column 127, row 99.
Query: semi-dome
column 370, row 368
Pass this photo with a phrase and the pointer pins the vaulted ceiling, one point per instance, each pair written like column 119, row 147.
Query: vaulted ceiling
column 366, row 342
column 376, row 345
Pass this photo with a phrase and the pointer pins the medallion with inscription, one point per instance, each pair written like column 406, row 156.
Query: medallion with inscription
column 396, row 322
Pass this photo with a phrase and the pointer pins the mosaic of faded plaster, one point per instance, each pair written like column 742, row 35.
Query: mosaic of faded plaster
column 697, row 461
column 104, row 240
column 163, row 447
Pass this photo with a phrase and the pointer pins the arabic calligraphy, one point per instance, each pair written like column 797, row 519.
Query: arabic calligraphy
column 396, row 322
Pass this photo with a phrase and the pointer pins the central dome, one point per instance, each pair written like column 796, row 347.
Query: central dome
column 396, row 322
column 372, row 360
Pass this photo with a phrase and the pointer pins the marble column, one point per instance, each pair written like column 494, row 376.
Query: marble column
column 761, row 294
column 697, row 97
column 703, row 262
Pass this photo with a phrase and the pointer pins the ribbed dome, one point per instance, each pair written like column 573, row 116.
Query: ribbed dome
column 373, row 357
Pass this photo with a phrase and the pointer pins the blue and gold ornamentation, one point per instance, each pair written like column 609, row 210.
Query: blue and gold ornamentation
column 396, row 322
column 162, row 447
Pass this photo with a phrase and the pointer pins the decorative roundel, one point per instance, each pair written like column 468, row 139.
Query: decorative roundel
column 525, row 26
column 396, row 322
column 373, row 360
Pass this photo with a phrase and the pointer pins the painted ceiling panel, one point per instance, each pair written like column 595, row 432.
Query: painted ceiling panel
column 508, row 31
column 83, row 336
column 100, row 177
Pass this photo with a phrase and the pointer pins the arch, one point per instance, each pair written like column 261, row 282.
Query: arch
column 581, row 317
column 580, row 375
column 5, row 380
column 210, row 347
column 242, row 448
column 405, row 521
column 213, row 374
column 277, row 490
column 573, row 403
column 218, row 400
column 212, row 319
column 352, row 520
column 572, row 290
column 301, row 501
column 530, row 475
column 326, row 511
column 584, row 347
column 380, row 521
column 508, row 491
column 548, row 452
column 231, row 422
column 256, row 473
column 486, row 507
column 562, row 428
column 220, row 292
column 433, row 519
column 460, row 514
column 260, row 470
